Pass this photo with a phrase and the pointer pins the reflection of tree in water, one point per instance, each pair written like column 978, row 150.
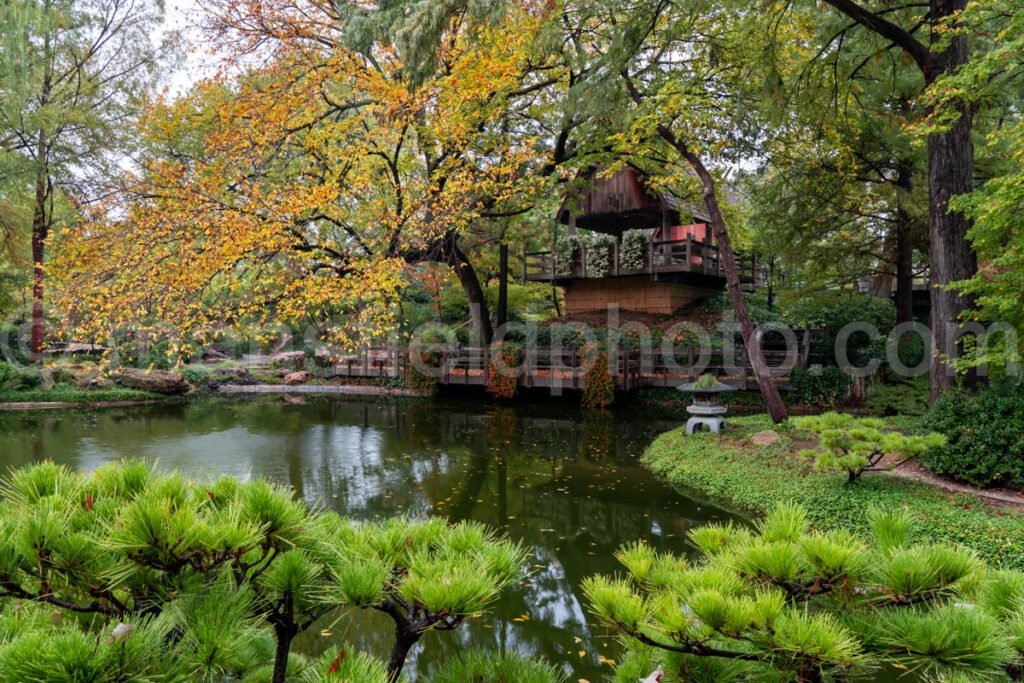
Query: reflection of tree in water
column 597, row 436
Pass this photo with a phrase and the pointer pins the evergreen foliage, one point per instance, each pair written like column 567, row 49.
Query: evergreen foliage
column 785, row 602
column 985, row 444
column 487, row 668
column 126, row 574
column 859, row 445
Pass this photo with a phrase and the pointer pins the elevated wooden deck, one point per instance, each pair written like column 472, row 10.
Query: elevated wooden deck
column 683, row 260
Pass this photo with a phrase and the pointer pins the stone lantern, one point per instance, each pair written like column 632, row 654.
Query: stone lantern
column 706, row 408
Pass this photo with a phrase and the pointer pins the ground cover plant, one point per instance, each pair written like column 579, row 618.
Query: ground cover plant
column 756, row 478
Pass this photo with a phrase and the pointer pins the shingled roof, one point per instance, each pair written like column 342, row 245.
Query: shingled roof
column 624, row 202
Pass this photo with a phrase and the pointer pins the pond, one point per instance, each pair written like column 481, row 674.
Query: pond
column 570, row 487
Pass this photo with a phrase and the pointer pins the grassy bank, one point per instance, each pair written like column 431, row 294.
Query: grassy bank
column 63, row 394
column 755, row 478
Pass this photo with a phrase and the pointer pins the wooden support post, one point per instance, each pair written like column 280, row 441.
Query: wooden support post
column 689, row 252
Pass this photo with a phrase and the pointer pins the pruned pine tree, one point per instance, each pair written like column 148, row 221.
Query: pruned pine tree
column 425, row 576
column 858, row 445
column 782, row 602
column 126, row 574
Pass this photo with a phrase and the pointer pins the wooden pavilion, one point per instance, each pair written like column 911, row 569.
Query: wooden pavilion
column 681, row 264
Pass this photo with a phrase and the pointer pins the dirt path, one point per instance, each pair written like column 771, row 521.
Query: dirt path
column 1002, row 497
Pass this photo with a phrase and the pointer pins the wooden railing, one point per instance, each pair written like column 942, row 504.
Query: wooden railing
column 563, row 367
column 663, row 256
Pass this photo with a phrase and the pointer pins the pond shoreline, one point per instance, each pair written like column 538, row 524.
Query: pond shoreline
column 58, row 405
column 224, row 390
column 326, row 389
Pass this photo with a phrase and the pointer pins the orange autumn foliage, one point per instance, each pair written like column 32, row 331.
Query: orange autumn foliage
column 301, row 189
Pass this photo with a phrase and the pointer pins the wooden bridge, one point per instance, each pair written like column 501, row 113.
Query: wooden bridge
column 556, row 369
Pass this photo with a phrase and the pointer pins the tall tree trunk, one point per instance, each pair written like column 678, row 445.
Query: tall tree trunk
column 40, row 228
column 765, row 381
column 478, row 309
column 950, row 173
column 502, row 314
column 904, row 275
column 904, row 250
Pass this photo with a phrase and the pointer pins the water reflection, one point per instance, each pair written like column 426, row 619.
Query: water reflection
column 568, row 486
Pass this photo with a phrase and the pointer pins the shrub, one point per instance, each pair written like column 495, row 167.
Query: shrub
column 899, row 398
column 13, row 376
column 479, row 667
column 567, row 249
column 598, row 381
column 195, row 579
column 858, row 445
column 835, row 310
column 706, row 381
column 599, row 255
column 783, row 602
column 820, row 386
column 503, row 378
column 985, row 437
column 633, row 252
column 422, row 376
column 13, row 345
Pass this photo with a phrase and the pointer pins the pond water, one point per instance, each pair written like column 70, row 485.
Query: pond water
column 570, row 487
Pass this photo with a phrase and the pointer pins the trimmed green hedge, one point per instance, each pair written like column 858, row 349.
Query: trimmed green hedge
column 985, row 433
column 756, row 478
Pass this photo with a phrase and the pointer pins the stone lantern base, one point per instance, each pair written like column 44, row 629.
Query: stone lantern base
column 712, row 416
